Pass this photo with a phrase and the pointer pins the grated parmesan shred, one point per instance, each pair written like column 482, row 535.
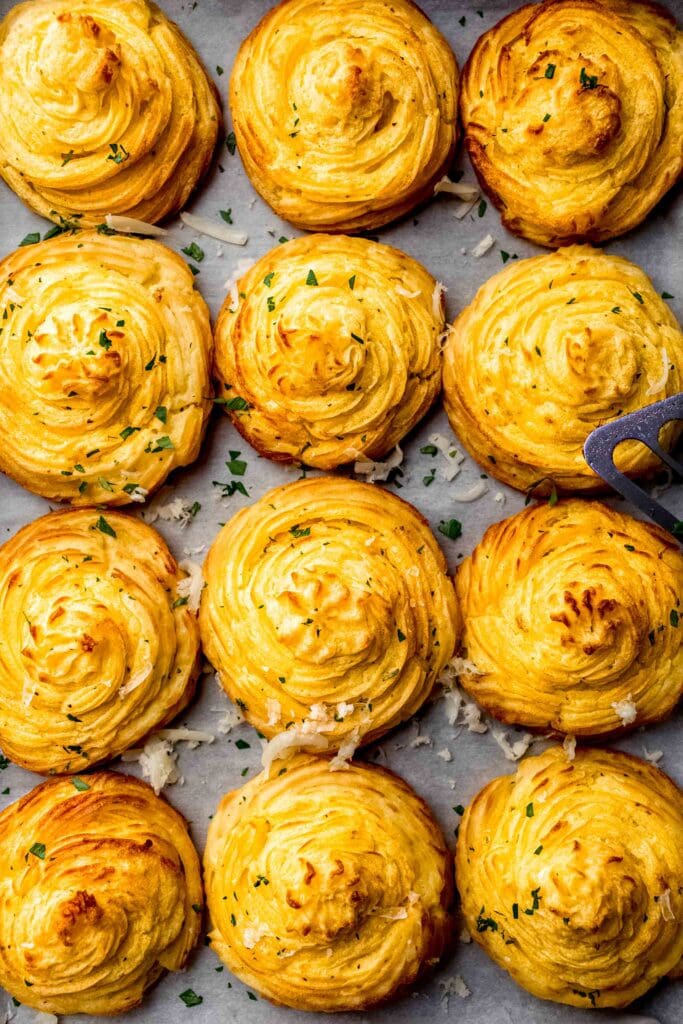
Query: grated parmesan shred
column 476, row 491
column 453, row 456
column 658, row 385
column 222, row 232
column 461, row 189
column 287, row 743
column 569, row 747
column 626, row 710
column 665, row 906
column 378, row 472
column 653, row 756
column 482, row 247
column 453, row 986
column 400, row 290
column 192, row 585
column 513, row 751
column 178, row 511
column 346, row 751
column 133, row 226
column 438, row 300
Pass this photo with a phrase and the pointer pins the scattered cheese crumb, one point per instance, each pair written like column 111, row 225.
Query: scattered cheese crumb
column 453, row 456
column 482, row 247
column 192, row 585
column 178, row 511
column 659, row 384
column 438, row 300
column 138, row 494
column 137, row 679
column 499, row 497
column 464, row 935
column 665, row 906
column 158, row 761
column 400, row 290
column 227, row 722
column 287, row 743
column 133, row 226
column 378, row 472
column 461, row 189
column 222, row 232
column 626, row 710
column 253, row 934
column 516, row 750
column 444, row 754
column 274, row 711
column 473, row 493
column 394, row 914
column 453, row 986
column 653, row 756
column 344, row 710
column 569, row 747
column 346, row 751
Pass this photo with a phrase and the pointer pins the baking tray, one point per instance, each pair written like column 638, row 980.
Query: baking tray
column 444, row 244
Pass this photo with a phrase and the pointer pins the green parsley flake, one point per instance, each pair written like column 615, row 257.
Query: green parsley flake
column 103, row 526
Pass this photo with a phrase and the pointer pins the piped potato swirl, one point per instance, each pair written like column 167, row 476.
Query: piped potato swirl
column 97, row 644
column 105, row 353
column 329, row 350
column 360, row 118
column 570, row 876
column 327, row 609
column 327, row 891
column 117, row 114
column 550, row 348
column 573, row 116
column 99, row 882
column 573, row 618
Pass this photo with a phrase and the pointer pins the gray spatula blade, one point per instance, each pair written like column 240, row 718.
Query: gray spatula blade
column 644, row 425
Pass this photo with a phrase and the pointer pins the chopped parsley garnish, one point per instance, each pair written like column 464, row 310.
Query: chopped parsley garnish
column 529, row 810
column 450, row 528
column 639, row 297
column 268, row 279
column 79, row 784
column 161, row 413
column 429, row 449
column 31, row 238
column 227, row 215
column 588, row 81
column 311, row 279
column 401, row 635
column 180, row 602
column 67, row 157
column 297, row 531
column 674, row 618
column 231, row 143
column 103, row 526
column 546, row 118
column 236, row 465
column 38, row 850
column 358, row 339
column 550, row 71
column 194, row 251
column 104, row 341
column 242, row 745
column 271, row 304
column 119, row 153
column 161, row 444
column 190, row 998
column 667, row 295
column 237, row 403
column 481, row 209
column 485, row 924
column 352, row 282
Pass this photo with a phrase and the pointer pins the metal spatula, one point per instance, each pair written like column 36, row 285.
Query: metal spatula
column 644, row 425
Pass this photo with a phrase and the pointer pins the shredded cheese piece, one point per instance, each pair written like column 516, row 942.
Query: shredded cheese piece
column 659, row 384
column 569, row 747
column 453, row 986
column 178, row 511
column 132, row 226
column 400, row 290
column 285, row 743
column 253, row 934
column 653, row 756
column 444, row 754
column 438, row 299
column 516, row 750
column 454, row 457
column 665, row 906
column 227, row 722
column 274, row 711
column 461, row 189
column 192, row 585
column 214, row 230
column 482, row 247
column 626, row 710
column 476, row 491
column 346, row 751
column 378, row 472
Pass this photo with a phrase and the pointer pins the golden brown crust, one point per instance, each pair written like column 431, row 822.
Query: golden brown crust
column 550, row 348
column 95, row 648
column 573, row 617
column 104, row 370
column 328, row 607
column 573, row 116
column 359, row 116
column 570, row 875
column 328, row 891
column 118, row 114
column 99, row 881
column 333, row 344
